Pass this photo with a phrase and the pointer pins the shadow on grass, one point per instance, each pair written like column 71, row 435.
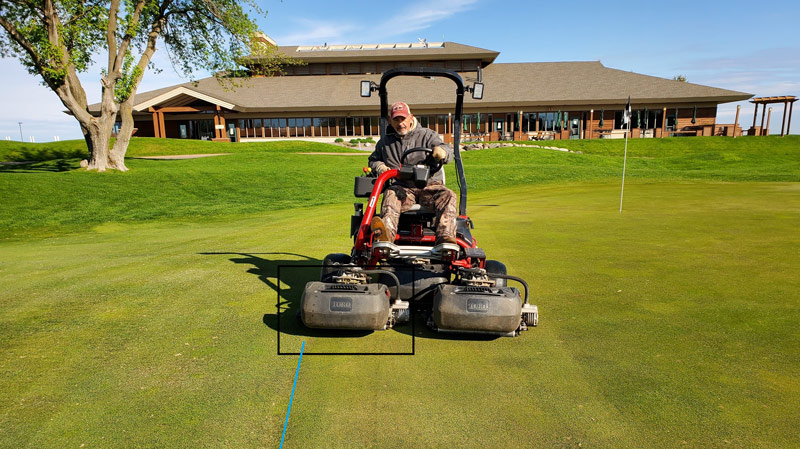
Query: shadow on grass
column 295, row 273
column 58, row 165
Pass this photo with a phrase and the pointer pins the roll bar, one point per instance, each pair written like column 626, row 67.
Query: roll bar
column 477, row 90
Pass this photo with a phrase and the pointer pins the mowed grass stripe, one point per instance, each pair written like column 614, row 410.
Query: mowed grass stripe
column 670, row 324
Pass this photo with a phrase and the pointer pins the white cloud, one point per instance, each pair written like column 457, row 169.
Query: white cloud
column 316, row 32
column 376, row 28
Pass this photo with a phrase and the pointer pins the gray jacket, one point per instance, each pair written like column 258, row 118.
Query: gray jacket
column 391, row 147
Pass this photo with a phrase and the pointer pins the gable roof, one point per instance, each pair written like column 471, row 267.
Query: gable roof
column 520, row 85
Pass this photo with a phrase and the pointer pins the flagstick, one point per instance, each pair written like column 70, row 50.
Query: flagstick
column 624, row 160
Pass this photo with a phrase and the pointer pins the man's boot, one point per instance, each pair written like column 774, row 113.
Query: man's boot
column 376, row 225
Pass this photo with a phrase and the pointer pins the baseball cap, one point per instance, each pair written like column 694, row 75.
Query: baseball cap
column 399, row 109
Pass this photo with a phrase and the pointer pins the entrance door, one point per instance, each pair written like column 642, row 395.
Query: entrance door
column 575, row 128
column 498, row 126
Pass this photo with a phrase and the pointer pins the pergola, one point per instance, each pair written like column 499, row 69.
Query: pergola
column 787, row 100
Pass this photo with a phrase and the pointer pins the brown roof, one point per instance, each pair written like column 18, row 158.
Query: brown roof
column 525, row 85
column 587, row 83
column 404, row 52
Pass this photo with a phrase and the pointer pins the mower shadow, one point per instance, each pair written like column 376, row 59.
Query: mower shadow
column 294, row 274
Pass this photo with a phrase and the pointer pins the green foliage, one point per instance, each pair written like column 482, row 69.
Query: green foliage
column 129, row 81
column 338, row 140
column 80, row 34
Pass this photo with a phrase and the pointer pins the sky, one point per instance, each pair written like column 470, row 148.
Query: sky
column 750, row 47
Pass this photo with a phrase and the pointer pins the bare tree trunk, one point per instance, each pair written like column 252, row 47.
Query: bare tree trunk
column 100, row 128
column 117, row 155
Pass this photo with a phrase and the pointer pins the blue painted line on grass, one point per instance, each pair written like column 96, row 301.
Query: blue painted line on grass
column 292, row 397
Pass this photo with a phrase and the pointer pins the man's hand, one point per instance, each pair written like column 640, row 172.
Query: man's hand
column 439, row 153
column 380, row 168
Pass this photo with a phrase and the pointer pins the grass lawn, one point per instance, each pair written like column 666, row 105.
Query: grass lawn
column 151, row 322
column 40, row 199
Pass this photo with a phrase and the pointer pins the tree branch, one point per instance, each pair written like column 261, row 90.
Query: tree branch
column 111, row 39
column 20, row 39
column 126, row 40
column 85, row 12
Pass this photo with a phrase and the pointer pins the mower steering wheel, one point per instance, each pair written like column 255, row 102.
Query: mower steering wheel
column 433, row 165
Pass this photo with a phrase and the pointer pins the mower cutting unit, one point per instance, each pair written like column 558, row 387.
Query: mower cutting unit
column 455, row 287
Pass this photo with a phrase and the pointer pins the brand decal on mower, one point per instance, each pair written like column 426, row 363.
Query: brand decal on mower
column 477, row 305
column 372, row 201
column 341, row 304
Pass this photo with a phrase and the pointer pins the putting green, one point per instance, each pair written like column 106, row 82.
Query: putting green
column 672, row 324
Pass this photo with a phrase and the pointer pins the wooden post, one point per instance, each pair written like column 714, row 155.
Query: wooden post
column 755, row 114
column 218, row 133
column 663, row 121
column 789, row 125
column 590, row 124
column 449, row 124
column 156, row 128
column 161, row 124
column 769, row 116
column 216, row 123
column 783, row 119
column 763, row 113
column 736, row 121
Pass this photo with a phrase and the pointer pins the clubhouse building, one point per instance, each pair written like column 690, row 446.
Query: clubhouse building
column 539, row 100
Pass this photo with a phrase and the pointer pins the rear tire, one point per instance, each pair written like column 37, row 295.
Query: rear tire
column 327, row 273
column 496, row 267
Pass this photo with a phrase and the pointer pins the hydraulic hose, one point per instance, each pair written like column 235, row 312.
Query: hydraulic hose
column 513, row 278
column 392, row 275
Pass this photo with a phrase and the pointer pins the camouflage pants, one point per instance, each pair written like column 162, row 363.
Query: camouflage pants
column 435, row 197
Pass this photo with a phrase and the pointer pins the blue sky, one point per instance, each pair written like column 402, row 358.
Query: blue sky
column 750, row 47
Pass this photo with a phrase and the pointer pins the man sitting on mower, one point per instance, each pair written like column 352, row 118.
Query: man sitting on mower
column 403, row 134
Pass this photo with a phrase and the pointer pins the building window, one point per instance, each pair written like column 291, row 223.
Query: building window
column 369, row 67
column 423, row 121
column 441, row 122
column 353, row 68
column 336, row 69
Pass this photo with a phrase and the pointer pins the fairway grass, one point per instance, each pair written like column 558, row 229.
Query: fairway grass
column 673, row 324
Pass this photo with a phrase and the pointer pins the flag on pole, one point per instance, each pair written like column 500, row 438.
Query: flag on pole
column 626, row 115
column 626, row 120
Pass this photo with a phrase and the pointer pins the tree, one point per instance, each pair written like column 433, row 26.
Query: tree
column 680, row 78
column 57, row 39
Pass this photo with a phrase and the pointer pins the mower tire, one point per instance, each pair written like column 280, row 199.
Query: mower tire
column 496, row 267
column 327, row 272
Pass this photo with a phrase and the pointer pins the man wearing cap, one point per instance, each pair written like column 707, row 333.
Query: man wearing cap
column 403, row 134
